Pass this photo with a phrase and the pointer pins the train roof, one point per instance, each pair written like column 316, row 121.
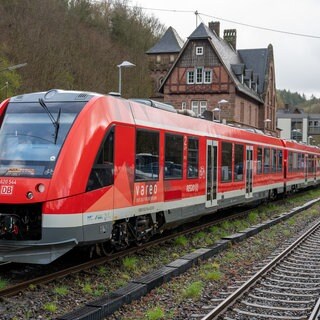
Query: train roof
column 152, row 117
column 55, row 95
column 302, row 147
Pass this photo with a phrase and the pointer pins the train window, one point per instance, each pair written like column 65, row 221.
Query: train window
column 311, row 167
column 279, row 159
column 266, row 160
column 290, row 162
column 300, row 162
column 102, row 171
column 173, row 156
column 193, row 157
column 259, row 161
column 226, row 164
column 295, row 166
column 238, row 162
column 273, row 160
column 147, row 155
column 303, row 162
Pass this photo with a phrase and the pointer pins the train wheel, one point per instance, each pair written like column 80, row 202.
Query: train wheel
column 106, row 248
column 273, row 194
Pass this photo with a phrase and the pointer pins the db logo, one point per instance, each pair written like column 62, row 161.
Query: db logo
column 6, row 190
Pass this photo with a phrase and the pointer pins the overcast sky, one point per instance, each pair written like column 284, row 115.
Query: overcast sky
column 297, row 58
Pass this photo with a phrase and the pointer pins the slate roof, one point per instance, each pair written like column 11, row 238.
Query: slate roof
column 228, row 56
column 169, row 43
column 256, row 59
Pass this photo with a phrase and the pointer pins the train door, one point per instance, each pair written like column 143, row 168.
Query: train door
column 249, row 175
column 211, row 185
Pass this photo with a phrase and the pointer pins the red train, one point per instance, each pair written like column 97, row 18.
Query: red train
column 80, row 168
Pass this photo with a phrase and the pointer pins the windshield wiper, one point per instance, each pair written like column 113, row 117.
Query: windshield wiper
column 55, row 122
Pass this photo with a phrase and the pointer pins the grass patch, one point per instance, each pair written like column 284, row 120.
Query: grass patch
column 253, row 217
column 181, row 241
column 199, row 236
column 61, row 291
column 155, row 314
column 3, row 283
column 130, row 263
column 229, row 256
column 87, row 288
column 226, row 225
column 286, row 232
column 102, row 270
column 193, row 291
column 214, row 275
column 50, row 307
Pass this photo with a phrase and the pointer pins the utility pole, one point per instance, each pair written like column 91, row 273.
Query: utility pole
column 196, row 13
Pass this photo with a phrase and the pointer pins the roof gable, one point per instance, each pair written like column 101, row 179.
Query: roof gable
column 169, row 43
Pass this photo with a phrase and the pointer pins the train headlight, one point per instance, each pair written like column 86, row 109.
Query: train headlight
column 40, row 187
column 29, row 195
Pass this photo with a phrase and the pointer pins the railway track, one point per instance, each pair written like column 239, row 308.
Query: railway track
column 51, row 276
column 287, row 288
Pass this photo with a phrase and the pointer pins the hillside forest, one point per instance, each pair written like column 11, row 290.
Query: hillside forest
column 295, row 99
column 77, row 44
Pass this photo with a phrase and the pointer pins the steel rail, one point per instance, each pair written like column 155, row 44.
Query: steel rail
column 227, row 303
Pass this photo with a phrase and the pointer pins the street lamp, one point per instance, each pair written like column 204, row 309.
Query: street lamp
column 218, row 108
column 124, row 64
column 265, row 123
column 219, row 112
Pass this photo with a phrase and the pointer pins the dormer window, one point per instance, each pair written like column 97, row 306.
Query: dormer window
column 199, row 51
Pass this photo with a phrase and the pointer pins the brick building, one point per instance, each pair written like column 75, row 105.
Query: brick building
column 208, row 73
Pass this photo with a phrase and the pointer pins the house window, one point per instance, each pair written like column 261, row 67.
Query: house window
column 199, row 76
column 171, row 58
column 203, row 106
column 195, row 107
column 158, row 58
column 199, row 51
column 207, row 76
column 190, row 77
column 183, row 105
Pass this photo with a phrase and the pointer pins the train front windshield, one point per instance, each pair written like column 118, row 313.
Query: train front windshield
column 32, row 135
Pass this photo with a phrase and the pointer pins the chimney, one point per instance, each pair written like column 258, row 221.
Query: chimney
column 230, row 35
column 214, row 26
